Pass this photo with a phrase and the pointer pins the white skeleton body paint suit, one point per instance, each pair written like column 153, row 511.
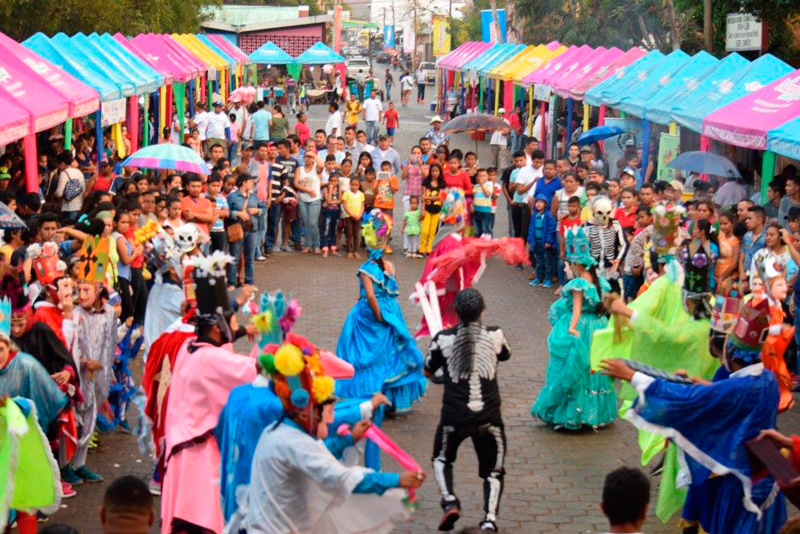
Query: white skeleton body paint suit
column 468, row 354
column 606, row 238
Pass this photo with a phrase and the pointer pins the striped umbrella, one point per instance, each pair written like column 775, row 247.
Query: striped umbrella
column 167, row 156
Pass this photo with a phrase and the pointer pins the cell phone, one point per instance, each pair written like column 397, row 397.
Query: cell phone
column 383, row 175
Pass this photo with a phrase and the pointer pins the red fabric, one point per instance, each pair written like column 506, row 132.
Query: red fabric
column 102, row 184
column 772, row 356
column 166, row 347
column 510, row 249
column 137, row 263
column 794, row 458
column 626, row 220
column 303, row 132
column 52, row 317
column 513, row 121
column 391, row 118
column 566, row 222
column 460, row 180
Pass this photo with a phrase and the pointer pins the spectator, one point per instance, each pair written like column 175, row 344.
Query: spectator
column 432, row 188
column 71, row 188
column 730, row 193
column 742, row 209
column 197, row 208
column 727, row 265
column 550, row 182
column 626, row 213
column 753, row 241
column 392, row 120
column 436, row 135
column 542, row 241
column 127, row 507
column 384, row 152
column 301, row 128
column 422, row 81
column 373, row 115
column 626, row 495
column 414, row 171
column 484, row 194
column 307, row 183
column 411, row 229
column 279, row 129
column 521, row 184
column 334, row 124
column 569, row 189
column 219, row 127
column 213, row 192
column 243, row 212
column 499, row 142
column 353, row 110
column 791, row 200
column 331, row 209
column 259, row 125
column 352, row 148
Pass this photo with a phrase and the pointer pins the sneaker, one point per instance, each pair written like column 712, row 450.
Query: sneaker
column 489, row 526
column 87, row 475
column 261, row 258
column 286, row 248
column 451, row 514
column 41, row 517
column 67, row 491
column 124, row 427
column 70, row 477
column 547, row 283
column 154, row 487
column 276, row 250
column 534, row 282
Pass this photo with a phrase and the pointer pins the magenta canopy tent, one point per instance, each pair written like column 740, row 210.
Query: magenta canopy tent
column 161, row 59
column 463, row 54
column 176, row 48
column 746, row 121
column 228, row 47
column 602, row 59
column 15, row 122
column 601, row 73
column 81, row 99
column 539, row 74
column 568, row 72
column 560, row 64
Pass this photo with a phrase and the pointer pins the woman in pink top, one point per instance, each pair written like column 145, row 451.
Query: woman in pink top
column 301, row 128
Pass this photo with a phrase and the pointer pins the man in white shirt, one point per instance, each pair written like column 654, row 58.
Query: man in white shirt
column 499, row 144
column 406, row 85
column 218, row 131
column 242, row 119
column 334, row 124
column 200, row 120
column 373, row 110
column 361, row 137
column 523, row 180
column 422, row 81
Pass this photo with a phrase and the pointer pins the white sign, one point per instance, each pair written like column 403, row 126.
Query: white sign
column 112, row 112
column 742, row 32
column 541, row 91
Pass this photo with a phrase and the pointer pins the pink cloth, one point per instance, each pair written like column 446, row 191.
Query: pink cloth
column 201, row 384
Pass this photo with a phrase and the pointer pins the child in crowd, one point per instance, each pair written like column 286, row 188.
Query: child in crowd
column 392, row 120
column 165, row 136
column 542, row 241
column 432, row 188
column 288, row 200
column 331, row 209
column 592, row 190
column 572, row 218
column 626, row 495
column 387, row 185
column 485, row 194
column 353, row 202
column 330, row 166
column 626, row 213
column 411, row 228
column 174, row 210
column 471, row 166
column 195, row 143
column 219, row 239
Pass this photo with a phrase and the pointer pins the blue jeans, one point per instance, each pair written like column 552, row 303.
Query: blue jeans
column 631, row 283
column 261, row 230
column 250, row 246
column 545, row 262
column 562, row 276
column 483, row 222
column 309, row 213
column 372, row 132
column 330, row 220
column 273, row 222
column 388, row 95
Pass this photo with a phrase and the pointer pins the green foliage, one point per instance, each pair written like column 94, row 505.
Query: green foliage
column 22, row 18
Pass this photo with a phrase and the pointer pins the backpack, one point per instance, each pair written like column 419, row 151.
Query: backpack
column 72, row 189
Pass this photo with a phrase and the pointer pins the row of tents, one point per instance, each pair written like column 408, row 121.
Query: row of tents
column 48, row 81
column 749, row 104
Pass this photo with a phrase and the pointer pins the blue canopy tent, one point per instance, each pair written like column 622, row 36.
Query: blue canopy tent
column 609, row 91
column 271, row 54
column 319, row 54
column 143, row 81
column 233, row 63
column 509, row 51
column 785, row 140
column 658, row 109
column 633, row 102
column 689, row 111
column 113, row 47
column 487, row 56
column 81, row 47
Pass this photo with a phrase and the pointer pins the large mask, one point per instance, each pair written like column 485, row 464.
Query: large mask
column 601, row 211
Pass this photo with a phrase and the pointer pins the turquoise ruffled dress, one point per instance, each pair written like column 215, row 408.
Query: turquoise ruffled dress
column 573, row 397
column 384, row 354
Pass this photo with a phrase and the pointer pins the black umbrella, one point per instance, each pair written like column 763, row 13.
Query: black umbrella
column 10, row 220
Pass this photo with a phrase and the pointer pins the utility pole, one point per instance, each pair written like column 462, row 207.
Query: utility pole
column 708, row 25
column 414, row 54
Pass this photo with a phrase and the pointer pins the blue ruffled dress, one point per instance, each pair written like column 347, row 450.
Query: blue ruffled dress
column 384, row 354
column 572, row 396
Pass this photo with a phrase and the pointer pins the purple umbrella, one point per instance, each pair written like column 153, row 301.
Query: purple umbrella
column 167, row 156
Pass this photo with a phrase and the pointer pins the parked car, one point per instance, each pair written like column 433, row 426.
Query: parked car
column 383, row 57
column 356, row 65
column 430, row 71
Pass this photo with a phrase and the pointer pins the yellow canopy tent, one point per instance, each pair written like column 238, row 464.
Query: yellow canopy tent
column 534, row 62
column 198, row 48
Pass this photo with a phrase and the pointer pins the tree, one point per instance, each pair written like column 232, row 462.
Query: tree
column 22, row 18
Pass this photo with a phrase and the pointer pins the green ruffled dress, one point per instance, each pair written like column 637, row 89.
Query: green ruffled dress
column 573, row 397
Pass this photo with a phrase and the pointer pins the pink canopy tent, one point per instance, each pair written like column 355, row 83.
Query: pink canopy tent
column 463, row 54
column 562, row 64
column 746, row 121
column 604, row 71
column 81, row 99
column 228, row 47
column 185, row 55
column 158, row 57
column 539, row 74
column 602, row 57
column 15, row 122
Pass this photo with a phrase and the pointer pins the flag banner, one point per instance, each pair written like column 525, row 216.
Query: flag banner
column 388, row 36
column 490, row 32
column 441, row 36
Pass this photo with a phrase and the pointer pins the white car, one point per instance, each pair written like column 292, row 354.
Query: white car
column 356, row 65
column 430, row 71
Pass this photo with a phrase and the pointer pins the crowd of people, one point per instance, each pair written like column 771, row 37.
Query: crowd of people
column 692, row 280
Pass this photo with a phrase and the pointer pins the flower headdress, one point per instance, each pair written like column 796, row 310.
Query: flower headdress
column 748, row 335
column 278, row 313
column 376, row 228
column 578, row 249
column 666, row 222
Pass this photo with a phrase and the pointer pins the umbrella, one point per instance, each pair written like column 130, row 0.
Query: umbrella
column 598, row 133
column 705, row 163
column 167, row 156
column 474, row 122
column 10, row 220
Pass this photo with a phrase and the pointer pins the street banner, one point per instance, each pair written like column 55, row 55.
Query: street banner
column 668, row 149
column 337, row 29
column 388, row 36
column 409, row 39
column 441, row 36
column 490, row 32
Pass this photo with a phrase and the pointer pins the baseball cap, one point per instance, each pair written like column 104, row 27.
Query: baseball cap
column 676, row 184
column 217, row 103
column 628, row 171
column 501, row 110
column 586, row 148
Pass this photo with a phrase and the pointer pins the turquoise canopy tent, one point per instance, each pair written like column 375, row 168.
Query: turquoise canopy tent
column 505, row 54
column 689, row 111
column 609, row 91
column 785, row 140
column 271, row 54
column 319, row 54
column 634, row 100
column 148, row 80
column 658, row 109
column 490, row 54
column 129, row 84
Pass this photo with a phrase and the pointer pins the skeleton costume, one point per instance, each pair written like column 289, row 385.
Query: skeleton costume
column 468, row 354
column 606, row 238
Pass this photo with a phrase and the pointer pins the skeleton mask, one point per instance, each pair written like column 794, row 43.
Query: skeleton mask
column 187, row 237
column 601, row 211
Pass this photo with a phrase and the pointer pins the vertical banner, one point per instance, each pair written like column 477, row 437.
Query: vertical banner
column 490, row 31
column 409, row 37
column 179, row 90
column 668, row 149
column 337, row 41
column 388, row 36
column 32, row 163
column 441, row 36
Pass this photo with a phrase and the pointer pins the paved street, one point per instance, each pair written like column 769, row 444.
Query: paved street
column 553, row 479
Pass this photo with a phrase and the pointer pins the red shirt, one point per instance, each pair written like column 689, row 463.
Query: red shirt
column 566, row 222
column 460, row 180
column 391, row 118
column 102, row 184
column 138, row 262
column 303, row 131
column 626, row 220
column 513, row 121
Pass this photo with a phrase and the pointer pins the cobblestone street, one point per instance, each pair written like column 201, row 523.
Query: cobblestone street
column 553, row 479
